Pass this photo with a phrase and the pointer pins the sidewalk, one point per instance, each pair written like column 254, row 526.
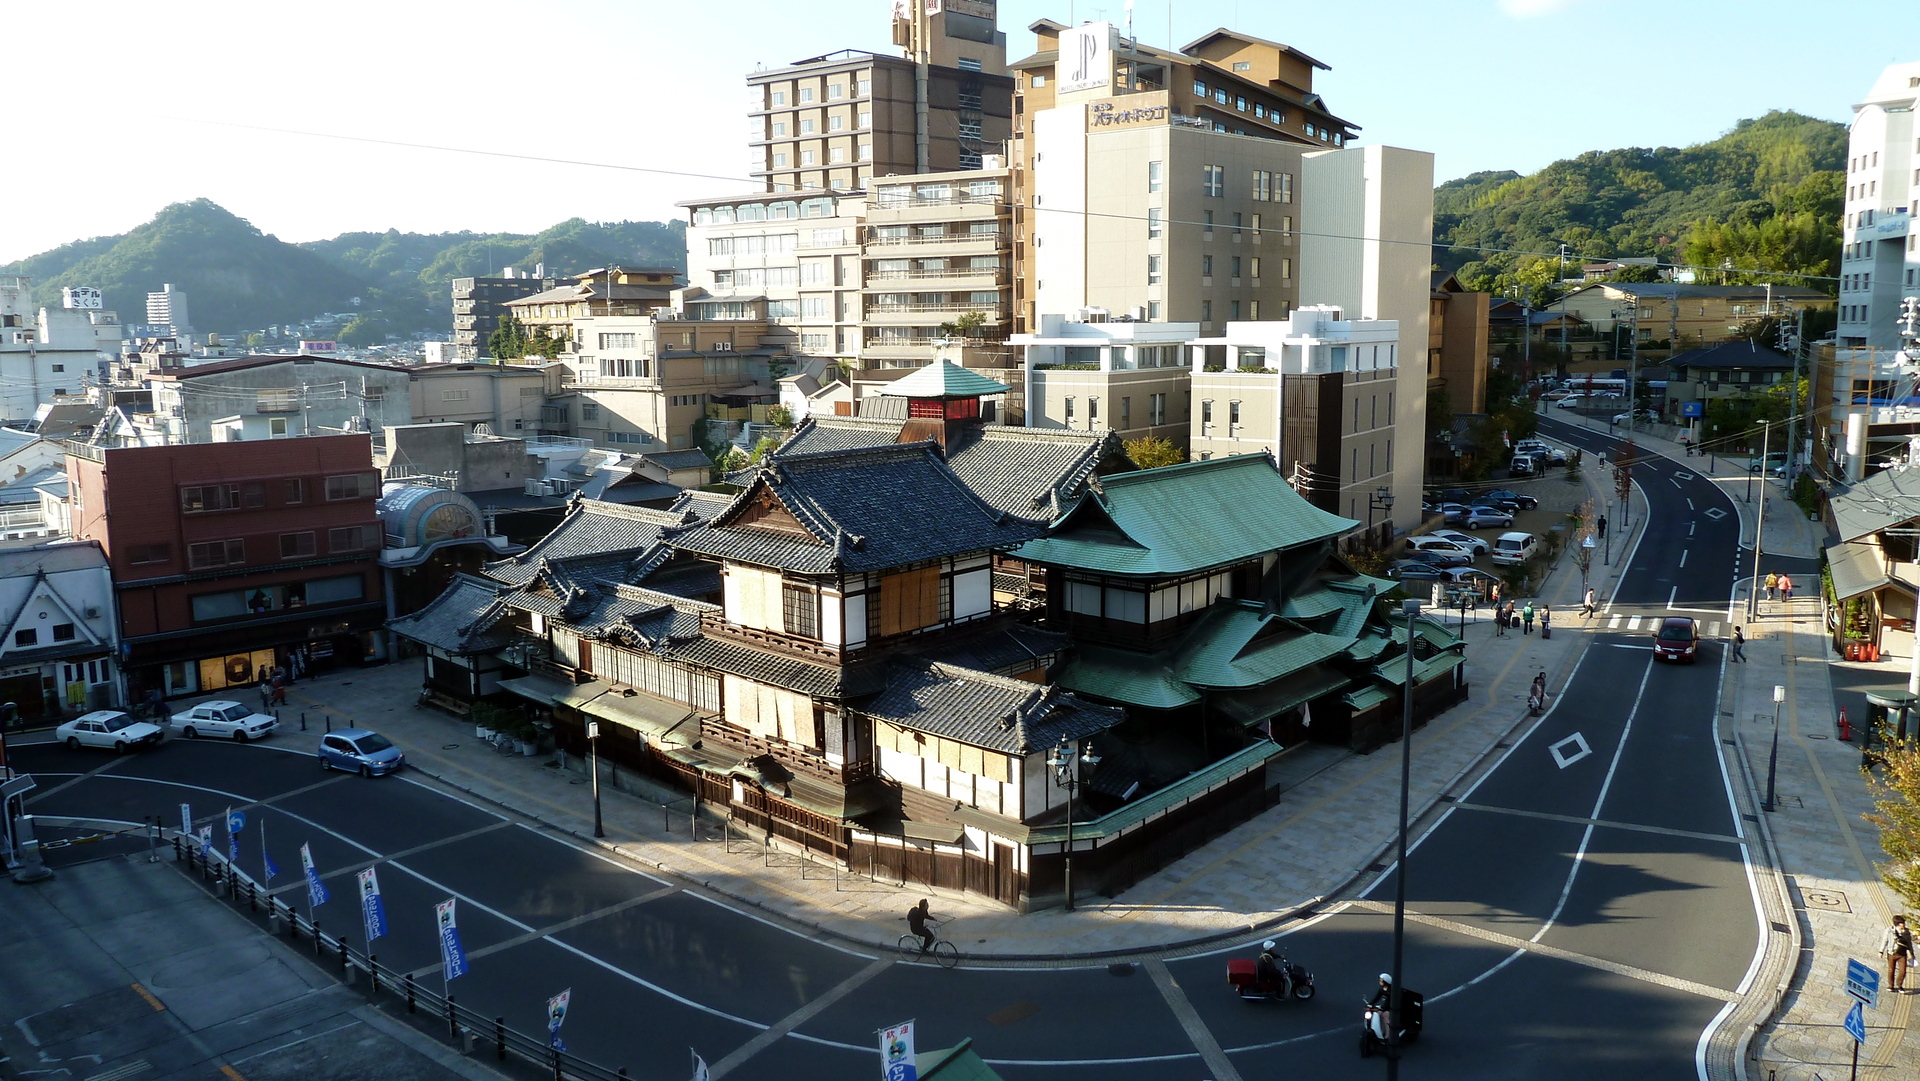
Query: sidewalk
column 121, row 968
column 1824, row 847
column 1336, row 818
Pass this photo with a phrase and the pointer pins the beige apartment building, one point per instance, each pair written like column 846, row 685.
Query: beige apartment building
column 618, row 290
column 510, row 399
column 1694, row 314
column 1224, row 84
column 1317, row 390
column 642, row 383
column 936, row 251
column 1129, row 378
column 793, row 260
column 1457, row 344
column 835, row 122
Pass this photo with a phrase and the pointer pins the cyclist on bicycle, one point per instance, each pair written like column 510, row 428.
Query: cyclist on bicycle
column 917, row 918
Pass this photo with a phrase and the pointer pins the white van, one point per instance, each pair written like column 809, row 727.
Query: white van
column 1514, row 547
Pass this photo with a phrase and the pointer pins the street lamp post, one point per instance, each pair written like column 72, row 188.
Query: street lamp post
column 1412, row 610
column 1773, row 756
column 1067, row 762
column 1382, row 501
column 593, row 748
column 1760, row 519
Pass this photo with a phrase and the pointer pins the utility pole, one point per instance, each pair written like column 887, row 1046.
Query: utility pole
column 1566, row 355
column 1759, row 521
column 1792, row 343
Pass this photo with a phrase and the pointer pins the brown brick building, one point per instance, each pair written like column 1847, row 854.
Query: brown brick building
column 229, row 557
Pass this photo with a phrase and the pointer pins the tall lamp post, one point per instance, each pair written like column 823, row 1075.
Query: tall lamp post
column 1773, row 756
column 1760, row 519
column 593, row 747
column 1067, row 762
column 1586, row 564
column 1412, row 609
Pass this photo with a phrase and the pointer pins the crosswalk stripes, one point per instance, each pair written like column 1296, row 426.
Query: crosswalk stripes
column 1614, row 623
column 1634, row 623
column 1713, row 629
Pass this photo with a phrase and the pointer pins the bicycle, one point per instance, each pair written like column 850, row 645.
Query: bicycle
column 944, row 953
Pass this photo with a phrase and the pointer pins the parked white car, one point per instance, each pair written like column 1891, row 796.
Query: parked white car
column 228, row 720
column 107, row 728
column 1441, row 552
column 1465, row 540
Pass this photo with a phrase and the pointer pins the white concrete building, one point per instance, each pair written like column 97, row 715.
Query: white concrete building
column 59, row 633
column 1100, row 375
column 168, row 308
column 799, row 252
column 1880, row 250
column 1318, row 391
column 51, row 352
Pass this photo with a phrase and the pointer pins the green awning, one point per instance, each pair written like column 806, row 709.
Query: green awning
column 1367, row 697
column 539, row 689
column 1256, row 704
column 578, row 695
column 644, row 713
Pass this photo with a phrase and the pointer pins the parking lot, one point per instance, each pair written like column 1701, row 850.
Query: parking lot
column 1558, row 493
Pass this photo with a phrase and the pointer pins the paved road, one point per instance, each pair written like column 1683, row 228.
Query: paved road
column 1584, row 911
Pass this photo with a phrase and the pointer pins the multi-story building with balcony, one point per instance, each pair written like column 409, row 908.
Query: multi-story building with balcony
column 642, row 383
column 795, row 260
column 277, row 396
column 226, row 559
column 619, row 290
column 480, row 303
column 509, row 399
column 837, row 121
column 937, row 255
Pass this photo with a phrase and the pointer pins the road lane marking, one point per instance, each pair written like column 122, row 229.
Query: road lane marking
column 1690, row 526
column 1673, row 595
column 799, row 1017
column 1684, row 476
column 1521, row 945
column 554, row 929
column 1196, row 1029
column 94, row 772
column 1614, row 623
column 148, row 995
column 1673, row 482
column 1689, row 504
column 1571, row 756
column 354, row 869
column 1633, row 624
column 1713, row 629
column 1683, row 560
column 1609, row 824
column 301, row 1040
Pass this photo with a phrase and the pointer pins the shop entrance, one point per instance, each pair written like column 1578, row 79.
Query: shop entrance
column 235, row 670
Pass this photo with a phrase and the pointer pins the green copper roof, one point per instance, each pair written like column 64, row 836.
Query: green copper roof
column 1121, row 676
column 1183, row 518
column 1237, row 645
column 1394, row 671
column 1367, row 697
column 944, row 379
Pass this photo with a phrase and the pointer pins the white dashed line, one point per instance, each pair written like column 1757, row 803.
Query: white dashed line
column 1683, row 561
column 1634, row 623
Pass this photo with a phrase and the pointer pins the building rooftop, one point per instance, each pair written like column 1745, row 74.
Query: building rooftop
column 51, row 558
column 944, row 379
column 258, row 360
column 593, row 529
column 1741, row 354
column 1000, row 713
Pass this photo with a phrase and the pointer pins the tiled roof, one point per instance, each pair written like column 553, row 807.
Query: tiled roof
column 1239, row 645
column 680, row 459
column 819, row 680
column 594, row 529
column 1119, row 675
column 1016, row 646
column 995, row 712
column 1184, row 518
column 944, row 379
column 1738, row 354
column 1032, row 472
column 867, row 509
column 460, row 620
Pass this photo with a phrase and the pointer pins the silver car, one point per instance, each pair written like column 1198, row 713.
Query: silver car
column 228, row 720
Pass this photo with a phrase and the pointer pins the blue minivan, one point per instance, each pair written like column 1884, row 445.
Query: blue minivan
column 360, row 750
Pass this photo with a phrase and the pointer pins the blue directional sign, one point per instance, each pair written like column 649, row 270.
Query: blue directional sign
column 1693, row 409
column 1863, row 982
column 1857, row 1024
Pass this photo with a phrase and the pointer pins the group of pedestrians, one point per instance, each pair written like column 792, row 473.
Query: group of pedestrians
column 1779, row 584
column 1506, row 616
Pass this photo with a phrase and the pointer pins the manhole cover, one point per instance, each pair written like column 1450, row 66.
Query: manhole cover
column 1814, row 735
column 449, row 746
column 1831, row 900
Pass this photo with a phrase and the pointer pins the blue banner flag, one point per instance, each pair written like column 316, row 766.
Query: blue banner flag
column 316, row 889
column 896, row 1053
column 453, row 959
column 206, row 841
column 266, row 860
column 557, row 1016
column 372, row 913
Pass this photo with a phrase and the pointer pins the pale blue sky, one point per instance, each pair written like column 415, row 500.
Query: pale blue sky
column 1483, row 84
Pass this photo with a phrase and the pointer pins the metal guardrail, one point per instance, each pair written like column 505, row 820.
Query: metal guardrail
column 466, row 1028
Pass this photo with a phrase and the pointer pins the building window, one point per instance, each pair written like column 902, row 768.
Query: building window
column 1233, row 413
column 1153, row 270
column 149, row 553
column 254, row 495
column 1206, row 266
column 1126, row 412
column 60, row 368
column 63, row 632
column 451, row 395
column 1156, row 175
column 1153, row 310
column 1220, row 94
column 296, row 545
column 1213, row 181
column 1199, row 89
column 1253, row 310
column 221, row 553
column 353, row 538
column 1069, row 412
column 209, row 497
column 968, row 63
column 1093, row 411
column 1156, row 409
column 800, row 609
column 1206, row 411
column 1206, row 311
column 1286, row 187
column 26, row 637
column 806, row 94
column 806, row 127
column 1236, row 266
column 779, row 97
column 1206, row 222
column 1286, row 268
column 1153, row 223
column 836, row 123
column 836, row 91
column 353, row 486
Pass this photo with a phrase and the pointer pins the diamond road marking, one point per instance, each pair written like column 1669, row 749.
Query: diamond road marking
column 1634, row 623
column 1683, row 476
column 1715, row 513
column 1568, row 758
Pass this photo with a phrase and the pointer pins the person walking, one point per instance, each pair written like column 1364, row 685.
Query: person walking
column 1786, row 588
column 1499, row 621
column 1772, row 583
column 1739, row 645
column 1896, row 945
column 1587, row 601
column 1494, row 596
column 1546, row 621
column 1526, row 619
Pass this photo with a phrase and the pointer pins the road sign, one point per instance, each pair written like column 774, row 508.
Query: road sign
column 1857, row 1024
column 1863, row 982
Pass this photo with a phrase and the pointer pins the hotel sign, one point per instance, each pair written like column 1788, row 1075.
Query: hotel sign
column 1106, row 114
column 1086, row 57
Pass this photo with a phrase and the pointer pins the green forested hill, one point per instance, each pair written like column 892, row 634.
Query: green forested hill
column 237, row 278
column 1764, row 196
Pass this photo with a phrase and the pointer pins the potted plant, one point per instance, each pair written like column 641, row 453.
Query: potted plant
column 528, row 737
column 486, row 720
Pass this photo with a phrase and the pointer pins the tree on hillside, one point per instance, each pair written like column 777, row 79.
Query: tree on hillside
column 508, row 340
column 1635, row 272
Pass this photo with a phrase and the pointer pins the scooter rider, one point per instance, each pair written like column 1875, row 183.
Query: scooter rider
column 1382, row 1003
column 1268, row 967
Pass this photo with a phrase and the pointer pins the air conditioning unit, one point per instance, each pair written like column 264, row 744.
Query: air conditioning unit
column 723, row 347
column 93, row 613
